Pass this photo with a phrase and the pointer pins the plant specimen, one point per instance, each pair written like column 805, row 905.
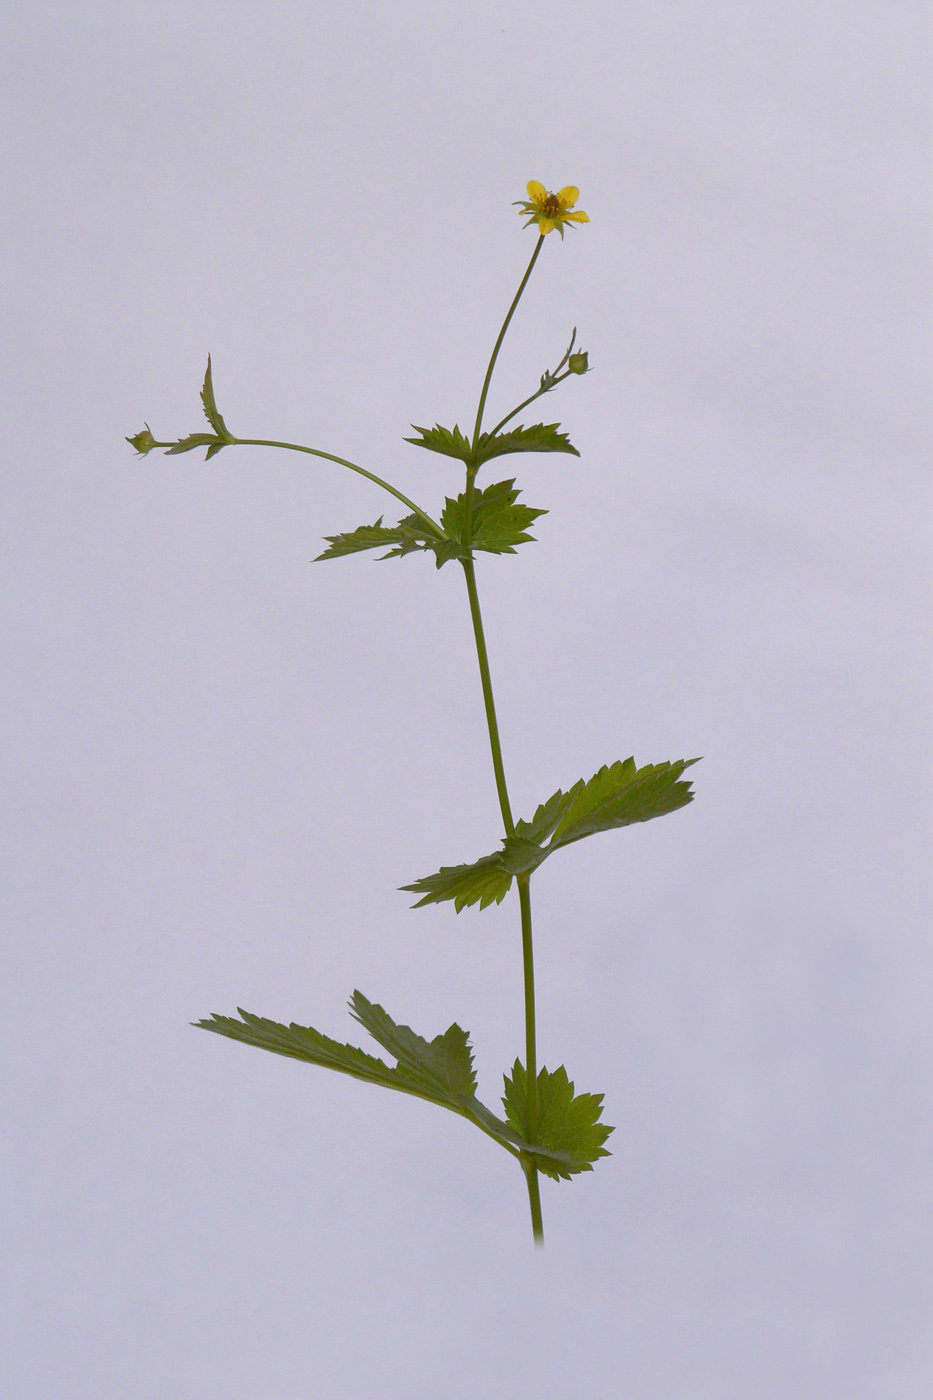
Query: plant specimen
column 547, row 1126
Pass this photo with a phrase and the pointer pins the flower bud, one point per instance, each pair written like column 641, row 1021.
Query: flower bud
column 577, row 363
column 143, row 442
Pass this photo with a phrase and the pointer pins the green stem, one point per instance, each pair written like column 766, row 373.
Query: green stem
column 531, row 1171
column 498, row 345
column 531, row 1054
column 342, row 462
column 558, row 379
column 552, row 381
column 488, row 701
column 473, row 466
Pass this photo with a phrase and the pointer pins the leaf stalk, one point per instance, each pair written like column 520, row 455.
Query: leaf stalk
column 342, row 462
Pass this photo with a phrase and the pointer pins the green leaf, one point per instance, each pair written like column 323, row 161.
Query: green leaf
column 193, row 440
column 540, row 437
column 616, row 796
column 409, row 535
column 568, row 1124
column 498, row 523
column 621, row 795
column 446, row 1063
column 210, row 408
column 449, row 442
column 545, row 819
column 305, row 1043
column 439, row 1071
column 481, row 883
column 373, row 537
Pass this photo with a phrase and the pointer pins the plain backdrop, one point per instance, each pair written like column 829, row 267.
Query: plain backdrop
column 221, row 760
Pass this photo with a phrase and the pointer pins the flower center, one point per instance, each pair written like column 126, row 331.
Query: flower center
column 551, row 203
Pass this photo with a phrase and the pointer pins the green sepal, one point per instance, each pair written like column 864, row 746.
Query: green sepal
column 143, row 441
column 619, row 795
column 450, row 442
column 569, row 1131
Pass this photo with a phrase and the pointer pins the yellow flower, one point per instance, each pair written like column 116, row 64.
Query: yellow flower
column 549, row 210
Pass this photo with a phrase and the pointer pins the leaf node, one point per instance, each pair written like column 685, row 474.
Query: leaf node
column 616, row 796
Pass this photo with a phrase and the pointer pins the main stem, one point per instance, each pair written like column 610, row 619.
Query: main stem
column 488, row 700
column 531, row 1055
column 524, row 896
column 524, row 881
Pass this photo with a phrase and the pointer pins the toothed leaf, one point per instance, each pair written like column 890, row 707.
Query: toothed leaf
column 210, row 407
column 449, row 442
column 439, row 1071
column 193, row 440
column 305, row 1043
column 540, row 437
column 621, row 795
column 544, row 820
column 484, row 882
column 616, row 796
column 409, row 535
column 498, row 522
column 568, row 1124
column 446, row 1062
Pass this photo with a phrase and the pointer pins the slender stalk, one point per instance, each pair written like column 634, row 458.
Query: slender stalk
column 531, row 1054
column 558, row 379
column 477, row 427
column 488, row 701
column 498, row 345
column 552, row 382
column 342, row 462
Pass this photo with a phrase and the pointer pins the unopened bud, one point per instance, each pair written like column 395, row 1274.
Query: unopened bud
column 143, row 442
column 577, row 363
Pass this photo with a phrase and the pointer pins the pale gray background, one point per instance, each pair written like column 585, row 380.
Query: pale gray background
column 221, row 760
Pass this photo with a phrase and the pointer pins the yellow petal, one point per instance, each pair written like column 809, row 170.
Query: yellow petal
column 536, row 191
column 568, row 195
column 545, row 225
column 578, row 217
